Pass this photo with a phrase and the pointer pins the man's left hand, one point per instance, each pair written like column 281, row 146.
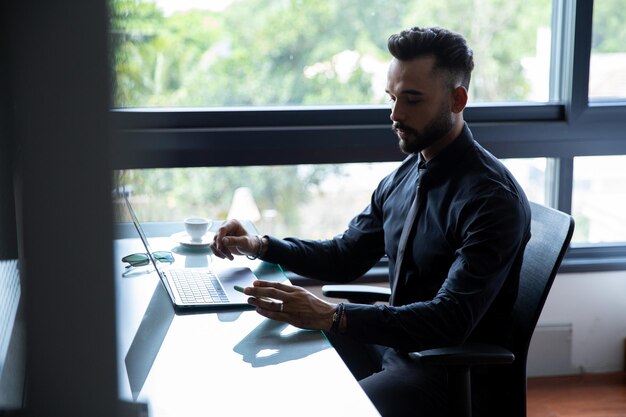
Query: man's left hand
column 291, row 304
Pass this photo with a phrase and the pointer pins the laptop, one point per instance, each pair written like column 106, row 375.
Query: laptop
column 198, row 288
column 148, row 339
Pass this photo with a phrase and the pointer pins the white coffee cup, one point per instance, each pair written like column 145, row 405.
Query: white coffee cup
column 196, row 227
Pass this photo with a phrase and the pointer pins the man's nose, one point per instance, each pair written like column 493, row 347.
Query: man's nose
column 396, row 114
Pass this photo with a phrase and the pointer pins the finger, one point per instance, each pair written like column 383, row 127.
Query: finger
column 274, row 315
column 219, row 236
column 222, row 251
column 262, row 293
column 266, row 304
column 217, row 245
column 242, row 244
column 218, row 252
column 288, row 288
column 266, row 292
column 229, row 228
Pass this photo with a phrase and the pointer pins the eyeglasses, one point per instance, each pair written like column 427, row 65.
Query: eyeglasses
column 142, row 259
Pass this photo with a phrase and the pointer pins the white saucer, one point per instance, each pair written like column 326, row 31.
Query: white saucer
column 184, row 239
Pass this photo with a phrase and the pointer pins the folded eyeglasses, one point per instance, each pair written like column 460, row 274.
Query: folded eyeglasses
column 142, row 259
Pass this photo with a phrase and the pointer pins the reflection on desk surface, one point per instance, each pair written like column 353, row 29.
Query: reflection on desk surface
column 205, row 364
column 270, row 343
column 150, row 335
column 273, row 342
column 148, row 340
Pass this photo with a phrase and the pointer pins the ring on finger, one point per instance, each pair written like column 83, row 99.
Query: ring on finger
column 282, row 307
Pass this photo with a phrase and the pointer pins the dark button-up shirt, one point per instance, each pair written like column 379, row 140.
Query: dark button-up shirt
column 460, row 272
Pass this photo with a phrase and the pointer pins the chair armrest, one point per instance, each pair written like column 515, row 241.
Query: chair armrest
column 365, row 294
column 468, row 354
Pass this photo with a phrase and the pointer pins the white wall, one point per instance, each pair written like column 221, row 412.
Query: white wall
column 595, row 305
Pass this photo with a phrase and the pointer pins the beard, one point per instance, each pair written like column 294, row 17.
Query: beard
column 431, row 133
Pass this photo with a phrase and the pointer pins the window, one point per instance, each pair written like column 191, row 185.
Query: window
column 608, row 54
column 313, row 201
column 200, row 91
column 306, row 52
column 531, row 175
column 599, row 199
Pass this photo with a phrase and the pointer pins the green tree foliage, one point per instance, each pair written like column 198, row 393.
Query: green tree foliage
column 173, row 194
column 288, row 52
column 134, row 27
column 291, row 52
column 500, row 33
column 158, row 60
column 609, row 31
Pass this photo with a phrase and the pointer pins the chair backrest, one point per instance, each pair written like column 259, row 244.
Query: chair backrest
column 551, row 232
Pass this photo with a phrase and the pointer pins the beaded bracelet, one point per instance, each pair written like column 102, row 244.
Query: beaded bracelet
column 258, row 251
column 337, row 318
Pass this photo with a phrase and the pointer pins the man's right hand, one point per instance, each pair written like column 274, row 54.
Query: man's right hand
column 233, row 239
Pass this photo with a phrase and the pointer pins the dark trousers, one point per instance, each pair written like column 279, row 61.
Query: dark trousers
column 395, row 384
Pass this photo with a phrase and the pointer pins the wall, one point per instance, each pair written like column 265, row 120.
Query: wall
column 595, row 306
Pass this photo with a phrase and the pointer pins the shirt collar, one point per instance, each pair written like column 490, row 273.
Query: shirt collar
column 450, row 155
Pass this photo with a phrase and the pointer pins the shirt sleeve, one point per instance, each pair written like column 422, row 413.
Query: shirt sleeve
column 341, row 259
column 494, row 231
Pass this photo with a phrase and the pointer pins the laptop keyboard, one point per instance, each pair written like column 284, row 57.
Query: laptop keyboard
column 198, row 286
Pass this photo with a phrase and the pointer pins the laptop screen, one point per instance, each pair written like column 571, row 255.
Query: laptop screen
column 142, row 235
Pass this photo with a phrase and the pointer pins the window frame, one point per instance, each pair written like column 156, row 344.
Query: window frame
column 195, row 137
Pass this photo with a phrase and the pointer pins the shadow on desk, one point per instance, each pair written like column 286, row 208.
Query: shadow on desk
column 150, row 335
column 270, row 343
column 273, row 342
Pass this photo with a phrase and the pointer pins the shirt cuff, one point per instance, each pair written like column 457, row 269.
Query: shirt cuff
column 359, row 319
column 276, row 248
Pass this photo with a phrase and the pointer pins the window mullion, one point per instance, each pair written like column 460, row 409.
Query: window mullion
column 576, row 53
column 559, row 183
column 558, row 69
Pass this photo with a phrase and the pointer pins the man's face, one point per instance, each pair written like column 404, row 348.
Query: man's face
column 421, row 104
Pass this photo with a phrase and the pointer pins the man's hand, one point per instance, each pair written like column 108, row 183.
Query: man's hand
column 232, row 239
column 294, row 305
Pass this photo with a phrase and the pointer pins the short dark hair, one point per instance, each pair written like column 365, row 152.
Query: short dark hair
column 450, row 49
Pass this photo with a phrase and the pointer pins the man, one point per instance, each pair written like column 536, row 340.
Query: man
column 454, row 252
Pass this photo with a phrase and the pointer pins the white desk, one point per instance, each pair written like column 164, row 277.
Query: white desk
column 222, row 363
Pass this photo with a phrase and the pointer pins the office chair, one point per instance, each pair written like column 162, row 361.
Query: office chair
column 551, row 232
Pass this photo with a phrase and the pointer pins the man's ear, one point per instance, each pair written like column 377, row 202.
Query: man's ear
column 459, row 99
